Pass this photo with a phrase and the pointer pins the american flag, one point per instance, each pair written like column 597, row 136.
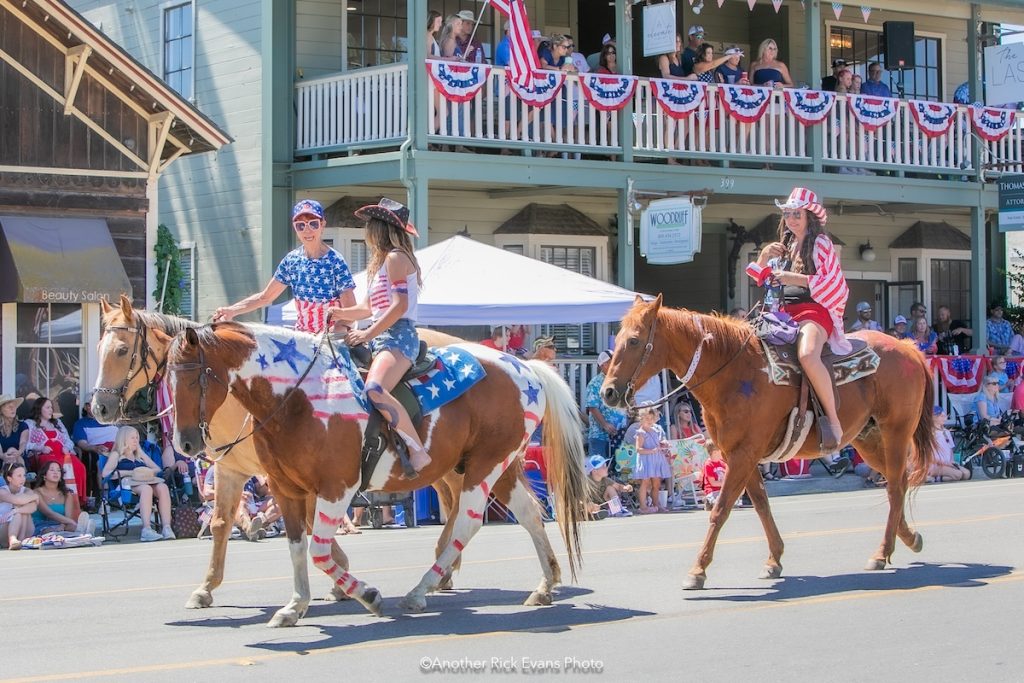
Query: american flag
column 522, row 57
column 828, row 287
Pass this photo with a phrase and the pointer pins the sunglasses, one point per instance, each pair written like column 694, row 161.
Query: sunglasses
column 610, row 53
column 992, row 384
column 314, row 224
column 792, row 213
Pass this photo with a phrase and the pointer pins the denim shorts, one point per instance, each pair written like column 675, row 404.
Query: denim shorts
column 400, row 337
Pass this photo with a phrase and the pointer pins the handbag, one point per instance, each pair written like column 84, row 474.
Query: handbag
column 776, row 328
column 185, row 521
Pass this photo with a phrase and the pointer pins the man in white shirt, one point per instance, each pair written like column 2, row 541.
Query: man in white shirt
column 864, row 320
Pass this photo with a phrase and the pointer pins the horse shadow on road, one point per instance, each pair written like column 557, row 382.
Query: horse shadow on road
column 916, row 575
column 448, row 613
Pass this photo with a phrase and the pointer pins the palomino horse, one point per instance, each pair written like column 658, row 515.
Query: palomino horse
column 309, row 435
column 132, row 353
column 887, row 415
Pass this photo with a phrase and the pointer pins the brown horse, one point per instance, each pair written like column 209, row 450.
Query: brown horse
column 132, row 353
column 309, row 435
column 887, row 416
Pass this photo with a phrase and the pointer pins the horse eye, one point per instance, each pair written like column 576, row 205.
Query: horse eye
column 633, row 341
column 123, row 351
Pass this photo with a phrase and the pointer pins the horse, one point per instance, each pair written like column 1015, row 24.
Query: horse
column 309, row 432
column 132, row 356
column 887, row 415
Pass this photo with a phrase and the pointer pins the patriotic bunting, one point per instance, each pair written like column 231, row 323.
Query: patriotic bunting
column 720, row 3
column 960, row 374
column 542, row 88
column 458, row 82
column 872, row 112
column 745, row 103
column 607, row 92
column 837, row 9
column 991, row 124
column 810, row 107
column 933, row 118
column 677, row 98
column 865, row 12
column 777, row 4
column 751, row 3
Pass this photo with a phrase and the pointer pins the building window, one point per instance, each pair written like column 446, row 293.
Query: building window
column 860, row 47
column 951, row 286
column 187, row 261
column 515, row 249
column 572, row 339
column 179, row 50
column 48, row 353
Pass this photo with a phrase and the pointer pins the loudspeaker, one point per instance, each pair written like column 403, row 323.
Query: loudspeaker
column 898, row 37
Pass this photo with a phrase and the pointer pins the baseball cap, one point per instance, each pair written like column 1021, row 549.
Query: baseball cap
column 863, row 306
column 536, row 34
column 595, row 462
column 900, row 320
column 937, row 410
column 308, row 207
column 541, row 342
column 696, row 30
column 607, row 38
column 838, row 62
column 465, row 15
column 734, row 51
column 603, row 357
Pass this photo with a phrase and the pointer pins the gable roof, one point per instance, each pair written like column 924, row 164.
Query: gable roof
column 112, row 65
column 550, row 219
column 941, row 235
column 341, row 214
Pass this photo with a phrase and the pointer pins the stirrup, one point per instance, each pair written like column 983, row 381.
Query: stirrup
column 830, row 440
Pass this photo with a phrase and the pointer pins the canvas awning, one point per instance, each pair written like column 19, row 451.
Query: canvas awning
column 59, row 260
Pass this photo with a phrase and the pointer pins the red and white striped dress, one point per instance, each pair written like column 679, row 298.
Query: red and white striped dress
column 827, row 286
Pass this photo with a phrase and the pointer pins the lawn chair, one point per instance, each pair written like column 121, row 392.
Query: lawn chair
column 114, row 496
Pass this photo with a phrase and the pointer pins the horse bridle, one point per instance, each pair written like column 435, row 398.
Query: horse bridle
column 690, row 371
column 206, row 373
column 140, row 352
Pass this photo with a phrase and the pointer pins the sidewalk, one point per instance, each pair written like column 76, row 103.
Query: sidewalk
column 820, row 481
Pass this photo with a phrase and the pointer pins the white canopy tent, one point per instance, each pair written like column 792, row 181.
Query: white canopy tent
column 466, row 282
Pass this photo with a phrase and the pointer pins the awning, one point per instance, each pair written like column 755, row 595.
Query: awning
column 59, row 260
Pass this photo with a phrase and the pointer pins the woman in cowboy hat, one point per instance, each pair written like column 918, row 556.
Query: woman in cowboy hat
column 804, row 262
column 318, row 275
column 393, row 282
column 13, row 432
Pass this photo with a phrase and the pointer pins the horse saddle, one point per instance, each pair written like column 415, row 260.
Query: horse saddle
column 438, row 376
column 784, row 370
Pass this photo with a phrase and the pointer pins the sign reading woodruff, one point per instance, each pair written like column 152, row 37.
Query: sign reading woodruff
column 670, row 232
column 1011, row 203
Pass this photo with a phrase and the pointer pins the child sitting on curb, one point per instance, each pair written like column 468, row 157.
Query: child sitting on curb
column 604, row 498
column 714, row 474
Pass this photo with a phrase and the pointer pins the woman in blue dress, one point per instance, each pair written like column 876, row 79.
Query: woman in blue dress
column 768, row 70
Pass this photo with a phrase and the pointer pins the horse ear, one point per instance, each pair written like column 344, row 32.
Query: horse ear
column 657, row 303
column 126, row 308
column 105, row 305
column 638, row 300
column 191, row 337
column 161, row 336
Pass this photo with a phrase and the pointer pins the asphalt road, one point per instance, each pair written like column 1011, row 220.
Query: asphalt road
column 954, row 612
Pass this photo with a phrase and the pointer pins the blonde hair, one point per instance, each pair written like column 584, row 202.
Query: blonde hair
column 121, row 440
column 763, row 48
column 649, row 412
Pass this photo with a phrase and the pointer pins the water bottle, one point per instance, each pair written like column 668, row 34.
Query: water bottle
column 955, row 350
column 69, row 474
column 187, row 485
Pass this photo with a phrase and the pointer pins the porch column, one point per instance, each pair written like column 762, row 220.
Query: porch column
column 417, row 76
column 974, row 78
column 812, row 35
column 419, row 204
column 624, row 251
column 979, row 278
column 624, row 47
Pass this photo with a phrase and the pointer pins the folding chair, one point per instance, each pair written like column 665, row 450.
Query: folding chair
column 112, row 495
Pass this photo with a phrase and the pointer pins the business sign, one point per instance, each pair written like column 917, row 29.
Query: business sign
column 670, row 232
column 1011, row 203
column 1004, row 75
column 659, row 29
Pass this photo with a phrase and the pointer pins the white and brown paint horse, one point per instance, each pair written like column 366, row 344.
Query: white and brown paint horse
column 132, row 350
column 308, row 438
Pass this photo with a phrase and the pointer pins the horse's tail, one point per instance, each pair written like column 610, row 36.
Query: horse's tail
column 924, row 433
column 564, row 453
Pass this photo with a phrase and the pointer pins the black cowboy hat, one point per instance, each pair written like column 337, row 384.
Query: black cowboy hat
column 391, row 212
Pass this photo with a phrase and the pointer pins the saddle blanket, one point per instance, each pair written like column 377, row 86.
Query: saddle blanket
column 455, row 370
column 784, row 366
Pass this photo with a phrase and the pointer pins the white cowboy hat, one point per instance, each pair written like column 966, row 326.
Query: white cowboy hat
column 140, row 476
column 7, row 398
column 802, row 198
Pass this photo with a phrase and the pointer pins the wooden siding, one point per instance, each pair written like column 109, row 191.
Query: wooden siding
column 213, row 200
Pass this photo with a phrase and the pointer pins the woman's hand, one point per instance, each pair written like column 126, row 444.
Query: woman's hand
column 785, row 277
column 46, row 450
column 770, row 251
column 223, row 313
column 181, row 466
column 357, row 337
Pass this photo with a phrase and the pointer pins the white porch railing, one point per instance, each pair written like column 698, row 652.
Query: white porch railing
column 495, row 116
column 1006, row 155
column 353, row 109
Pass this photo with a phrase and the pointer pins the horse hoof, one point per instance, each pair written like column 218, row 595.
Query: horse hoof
column 918, row 544
column 413, row 603
column 337, row 595
column 694, row 582
column 284, row 618
column 538, row 599
column 771, row 571
column 874, row 565
column 199, row 599
column 373, row 601
column 446, row 584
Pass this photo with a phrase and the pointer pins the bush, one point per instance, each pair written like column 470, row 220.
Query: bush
column 168, row 265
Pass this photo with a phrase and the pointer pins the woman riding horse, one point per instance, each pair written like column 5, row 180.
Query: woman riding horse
column 804, row 262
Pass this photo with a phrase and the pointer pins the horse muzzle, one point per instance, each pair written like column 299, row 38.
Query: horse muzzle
column 612, row 396
column 105, row 407
column 190, row 441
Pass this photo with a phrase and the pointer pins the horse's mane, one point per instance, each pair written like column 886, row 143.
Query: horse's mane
column 234, row 339
column 727, row 333
column 168, row 324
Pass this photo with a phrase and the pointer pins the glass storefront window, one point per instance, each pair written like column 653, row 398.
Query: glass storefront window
column 49, row 324
column 48, row 352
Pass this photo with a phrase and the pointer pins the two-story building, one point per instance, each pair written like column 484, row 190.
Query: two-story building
column 322, row 101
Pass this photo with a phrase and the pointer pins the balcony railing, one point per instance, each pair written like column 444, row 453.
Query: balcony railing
column 367, row 108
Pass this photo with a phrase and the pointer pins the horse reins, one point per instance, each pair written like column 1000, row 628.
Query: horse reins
column 140, row 352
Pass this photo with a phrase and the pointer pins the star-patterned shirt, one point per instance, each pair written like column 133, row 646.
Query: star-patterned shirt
column 614, row 416
column 316, row 284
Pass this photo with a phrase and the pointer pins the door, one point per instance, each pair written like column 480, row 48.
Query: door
column 902, row 296
column 871, row 291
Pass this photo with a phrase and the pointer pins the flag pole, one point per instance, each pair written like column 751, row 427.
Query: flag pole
column 477, row 24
